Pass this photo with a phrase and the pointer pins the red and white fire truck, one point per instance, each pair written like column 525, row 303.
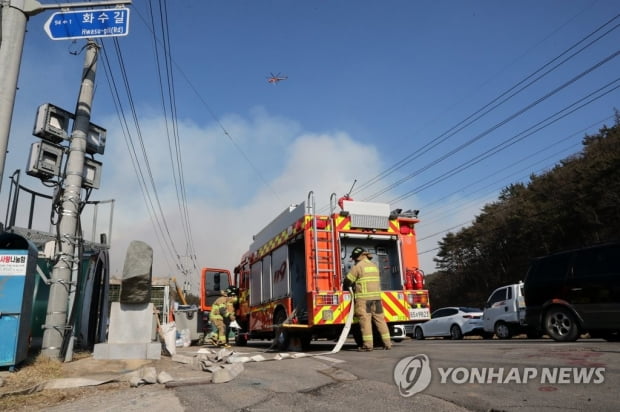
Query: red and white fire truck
column 290, row 280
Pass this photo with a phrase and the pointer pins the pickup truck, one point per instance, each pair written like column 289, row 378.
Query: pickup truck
column 504, row 311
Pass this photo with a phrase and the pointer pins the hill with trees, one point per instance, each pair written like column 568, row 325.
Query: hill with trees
column 575, row 204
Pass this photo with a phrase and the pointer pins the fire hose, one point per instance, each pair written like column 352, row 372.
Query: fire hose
column 347, row 326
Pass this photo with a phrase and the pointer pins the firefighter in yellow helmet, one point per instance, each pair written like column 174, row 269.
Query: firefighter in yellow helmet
column 222, row 313
column 365, row 281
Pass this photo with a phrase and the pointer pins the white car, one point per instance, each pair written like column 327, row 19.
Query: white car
column 397, row 333
column 454, row 322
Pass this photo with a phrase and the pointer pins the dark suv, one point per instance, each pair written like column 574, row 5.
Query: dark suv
column 574, row 292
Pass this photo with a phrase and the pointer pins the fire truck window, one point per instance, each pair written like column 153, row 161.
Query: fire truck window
column 216, row 282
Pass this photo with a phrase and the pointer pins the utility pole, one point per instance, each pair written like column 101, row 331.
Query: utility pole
column 12, row 32
column 56, row 318
column 15, row 14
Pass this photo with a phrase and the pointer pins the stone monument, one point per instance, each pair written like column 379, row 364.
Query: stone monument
column 131, row 319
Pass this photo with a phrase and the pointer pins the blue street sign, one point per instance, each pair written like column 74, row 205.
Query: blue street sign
column 87, row 24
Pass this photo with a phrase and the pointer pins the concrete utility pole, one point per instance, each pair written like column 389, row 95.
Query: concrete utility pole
column 12, row 31
column 15, row 14
column 56, row 318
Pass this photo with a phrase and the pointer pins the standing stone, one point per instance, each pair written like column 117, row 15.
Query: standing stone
column 132, row 320
column 137, row 273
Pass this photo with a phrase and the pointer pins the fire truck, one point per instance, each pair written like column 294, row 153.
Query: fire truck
column 290, row 279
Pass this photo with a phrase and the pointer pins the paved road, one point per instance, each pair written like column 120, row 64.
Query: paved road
column 523, row 375
column 477, row 375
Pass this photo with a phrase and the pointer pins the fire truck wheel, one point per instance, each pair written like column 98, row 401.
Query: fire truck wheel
column 241, row 339
column 306, row 340
column 281, row 335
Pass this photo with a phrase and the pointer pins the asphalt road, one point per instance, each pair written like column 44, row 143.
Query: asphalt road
column 511, row 375
column 467, row 375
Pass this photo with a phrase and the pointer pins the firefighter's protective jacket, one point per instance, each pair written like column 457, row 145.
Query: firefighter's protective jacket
column 365, row 279
column 223, row 308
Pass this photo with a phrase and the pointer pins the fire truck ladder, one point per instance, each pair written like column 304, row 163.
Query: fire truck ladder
column 323, row 251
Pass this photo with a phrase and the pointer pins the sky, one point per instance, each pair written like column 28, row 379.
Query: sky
column 427, row 105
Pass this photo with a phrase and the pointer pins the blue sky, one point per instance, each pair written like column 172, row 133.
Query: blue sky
column 389, row 93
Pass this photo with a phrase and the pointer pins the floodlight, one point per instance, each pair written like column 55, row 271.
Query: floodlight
column 45, row 160
column 91, row 176
column 95, row 139
column 52, row 123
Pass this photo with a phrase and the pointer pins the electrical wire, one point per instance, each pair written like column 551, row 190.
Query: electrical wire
column 173, row 132
column 509, row 142
column 133, row 153
column 174, row 140
column 492, row 105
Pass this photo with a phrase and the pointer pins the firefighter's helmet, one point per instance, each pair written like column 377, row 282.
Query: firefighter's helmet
column 357, row 252
column 232, row 291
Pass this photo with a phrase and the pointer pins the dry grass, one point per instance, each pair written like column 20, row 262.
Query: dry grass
column 35, row 371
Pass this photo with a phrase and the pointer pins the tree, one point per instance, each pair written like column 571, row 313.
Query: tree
column 573, row 205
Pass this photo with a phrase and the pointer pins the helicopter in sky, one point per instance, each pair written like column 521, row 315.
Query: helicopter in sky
column 275, row 78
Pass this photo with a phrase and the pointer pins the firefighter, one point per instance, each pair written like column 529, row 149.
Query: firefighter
column 365, row 282
column 222, row 313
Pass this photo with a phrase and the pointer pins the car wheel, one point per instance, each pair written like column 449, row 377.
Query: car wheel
column 455, row 332
column 502, row 330
column 418, row 334
column 561, row 324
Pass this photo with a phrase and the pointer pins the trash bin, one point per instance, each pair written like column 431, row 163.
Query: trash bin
column 189, row 317
column 18, row 264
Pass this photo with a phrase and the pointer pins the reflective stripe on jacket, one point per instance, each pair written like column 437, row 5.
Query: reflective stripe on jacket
column 366, row 280
column 222, row 308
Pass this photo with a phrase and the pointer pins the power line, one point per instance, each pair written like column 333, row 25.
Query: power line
column 218, row 121
column 133, row 155
column 506, row 143
column 492, row 105
column 174, row 142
